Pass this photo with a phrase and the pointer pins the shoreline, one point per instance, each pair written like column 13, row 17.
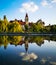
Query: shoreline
column 27, row 34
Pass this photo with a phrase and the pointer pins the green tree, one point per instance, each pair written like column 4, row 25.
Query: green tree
column 15, row 39
column 14, row 27
column 4, row 41
column 2, row 26
column 5, row 23
column 33, row 28
column 26, row 27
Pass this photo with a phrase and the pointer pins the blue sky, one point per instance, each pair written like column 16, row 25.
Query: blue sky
column 36, row 9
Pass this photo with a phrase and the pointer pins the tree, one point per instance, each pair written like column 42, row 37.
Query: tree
column 2, row 26
column 33, row 28
column 15, row 27
column 15, row 39
column 4, row 41
column 53, row 28
column 37, row 27
column 5, row 22
column 26, row 27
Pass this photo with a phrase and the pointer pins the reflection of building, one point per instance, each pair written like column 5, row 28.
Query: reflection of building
column 26, row 46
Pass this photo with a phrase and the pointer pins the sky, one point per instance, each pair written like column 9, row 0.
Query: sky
column 36, row 9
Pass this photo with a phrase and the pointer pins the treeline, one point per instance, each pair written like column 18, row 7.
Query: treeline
column 6, row 26
column 15, row 26
column 40, row 27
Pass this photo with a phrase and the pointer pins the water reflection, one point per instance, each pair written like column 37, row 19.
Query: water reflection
column 4, row 41
column 19, row 40
column 31, row 49
column 43, row 60
column 28, row 57
column 53, row 63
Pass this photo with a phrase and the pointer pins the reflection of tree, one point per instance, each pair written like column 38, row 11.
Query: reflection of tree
column 19, row 40
column 4, row 41
column 38, row 40
column 15, row 40
column 50, row 38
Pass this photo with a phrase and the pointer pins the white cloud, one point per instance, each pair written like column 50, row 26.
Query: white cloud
column 28, row 57
column 53, row 1
column 53, row 63
column 29, row 7
column 43, row 60
column 47, row 3
column 44, row 3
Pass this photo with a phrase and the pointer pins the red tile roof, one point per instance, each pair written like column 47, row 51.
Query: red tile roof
column 21, row 22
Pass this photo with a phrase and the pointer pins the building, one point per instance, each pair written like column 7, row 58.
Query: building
column 22, row 22
column 26, row 19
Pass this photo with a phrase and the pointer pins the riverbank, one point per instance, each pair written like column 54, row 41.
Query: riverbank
column 27, row 34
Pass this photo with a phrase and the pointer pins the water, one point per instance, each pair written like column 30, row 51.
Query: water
column 18, row 50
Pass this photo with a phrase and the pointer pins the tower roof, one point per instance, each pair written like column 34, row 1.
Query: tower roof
column 4, row 16
column 26, row 15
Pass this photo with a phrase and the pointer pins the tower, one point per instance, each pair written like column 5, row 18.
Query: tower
column 4, row 17
column 26, row 18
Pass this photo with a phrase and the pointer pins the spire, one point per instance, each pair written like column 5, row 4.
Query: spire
column 26, row 18
column 4, row 16
column 26, row 15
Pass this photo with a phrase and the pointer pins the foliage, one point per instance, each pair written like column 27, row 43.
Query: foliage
column 14, row 27
column 4, row 41
column 5, row 22
column 36, row 27
column 15, row 39
column 26, row 28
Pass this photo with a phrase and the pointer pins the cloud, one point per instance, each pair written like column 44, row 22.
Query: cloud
column 43, row 60
column 28, row 57
column 44, row 3
column 47, row 3
column 53, row 63
column 22, row 54
column 53, row 1
column 29, row 7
